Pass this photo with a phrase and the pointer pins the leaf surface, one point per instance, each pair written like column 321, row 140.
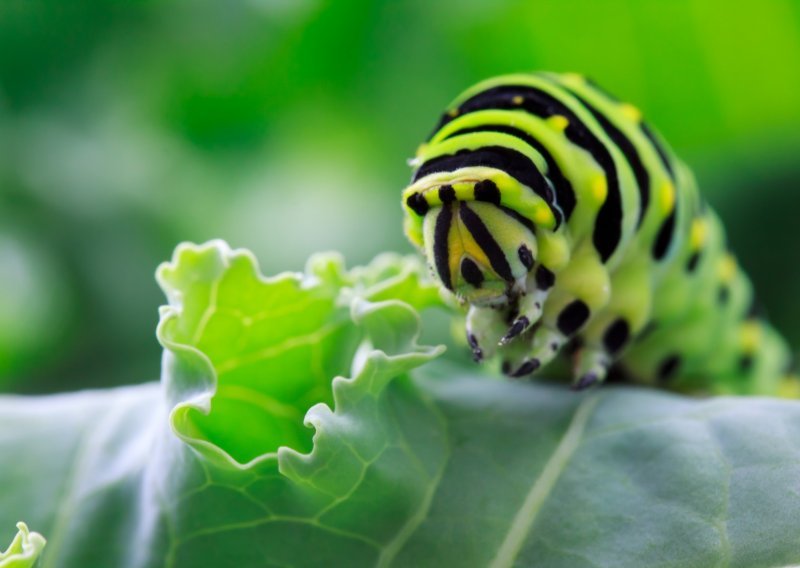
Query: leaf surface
column 298, row 423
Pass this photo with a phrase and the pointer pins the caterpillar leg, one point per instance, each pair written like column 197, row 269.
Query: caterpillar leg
column 581, row 289
column 485, row 327
column 530, row 307
column 591, row 367
column 612, row 329
column 544, row 345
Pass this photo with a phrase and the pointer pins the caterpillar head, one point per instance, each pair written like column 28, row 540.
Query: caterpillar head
column 479, row 250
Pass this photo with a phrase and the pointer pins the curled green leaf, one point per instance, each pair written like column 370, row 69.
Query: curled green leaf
column 247, row 356
column 24, row 550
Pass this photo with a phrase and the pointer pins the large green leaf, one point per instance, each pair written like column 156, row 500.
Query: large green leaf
column 410, row 461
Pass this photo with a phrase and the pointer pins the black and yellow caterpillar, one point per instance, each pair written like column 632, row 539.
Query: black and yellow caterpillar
column 561, row 218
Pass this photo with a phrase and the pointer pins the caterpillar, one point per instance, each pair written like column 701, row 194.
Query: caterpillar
column 567, row 225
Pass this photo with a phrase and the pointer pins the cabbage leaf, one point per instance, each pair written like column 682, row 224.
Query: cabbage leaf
column 299, row 423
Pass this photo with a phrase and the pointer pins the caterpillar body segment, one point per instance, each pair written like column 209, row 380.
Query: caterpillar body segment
column 561, row 218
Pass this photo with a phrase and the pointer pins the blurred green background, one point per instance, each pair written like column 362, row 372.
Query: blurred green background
column 284, row 126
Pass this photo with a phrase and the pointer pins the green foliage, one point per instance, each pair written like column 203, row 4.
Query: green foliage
column 32, row 312
column 299, row 423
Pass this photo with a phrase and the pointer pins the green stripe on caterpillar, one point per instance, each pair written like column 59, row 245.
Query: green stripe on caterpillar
column 561, row 219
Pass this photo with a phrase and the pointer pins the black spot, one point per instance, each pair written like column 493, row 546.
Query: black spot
column 745, row 363
column 668, row 368
column 664, row 236
column 441, row 246
column 616, row 336
column 572, row 317
column 525, row 256
column 486, row 190
column 471, row 273
column 723, row 294
column 527, row 368
column 608, row 226
column 417, row 204
column 447, row 194
column 544, row 278
column 691, row 264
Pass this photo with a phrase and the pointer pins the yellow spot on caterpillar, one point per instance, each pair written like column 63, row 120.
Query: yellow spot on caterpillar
column 667, row 196
column 453, row 112
column 698, row 234
column 630, row 112
column 750, row 336
column 599, row 188
column 518, row 100
column 543, row 216
column 727, row 268
column 558, row 123
column 573, row 79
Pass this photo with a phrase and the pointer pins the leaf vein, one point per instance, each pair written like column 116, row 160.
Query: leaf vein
column 391, row 549
column 543, row 485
